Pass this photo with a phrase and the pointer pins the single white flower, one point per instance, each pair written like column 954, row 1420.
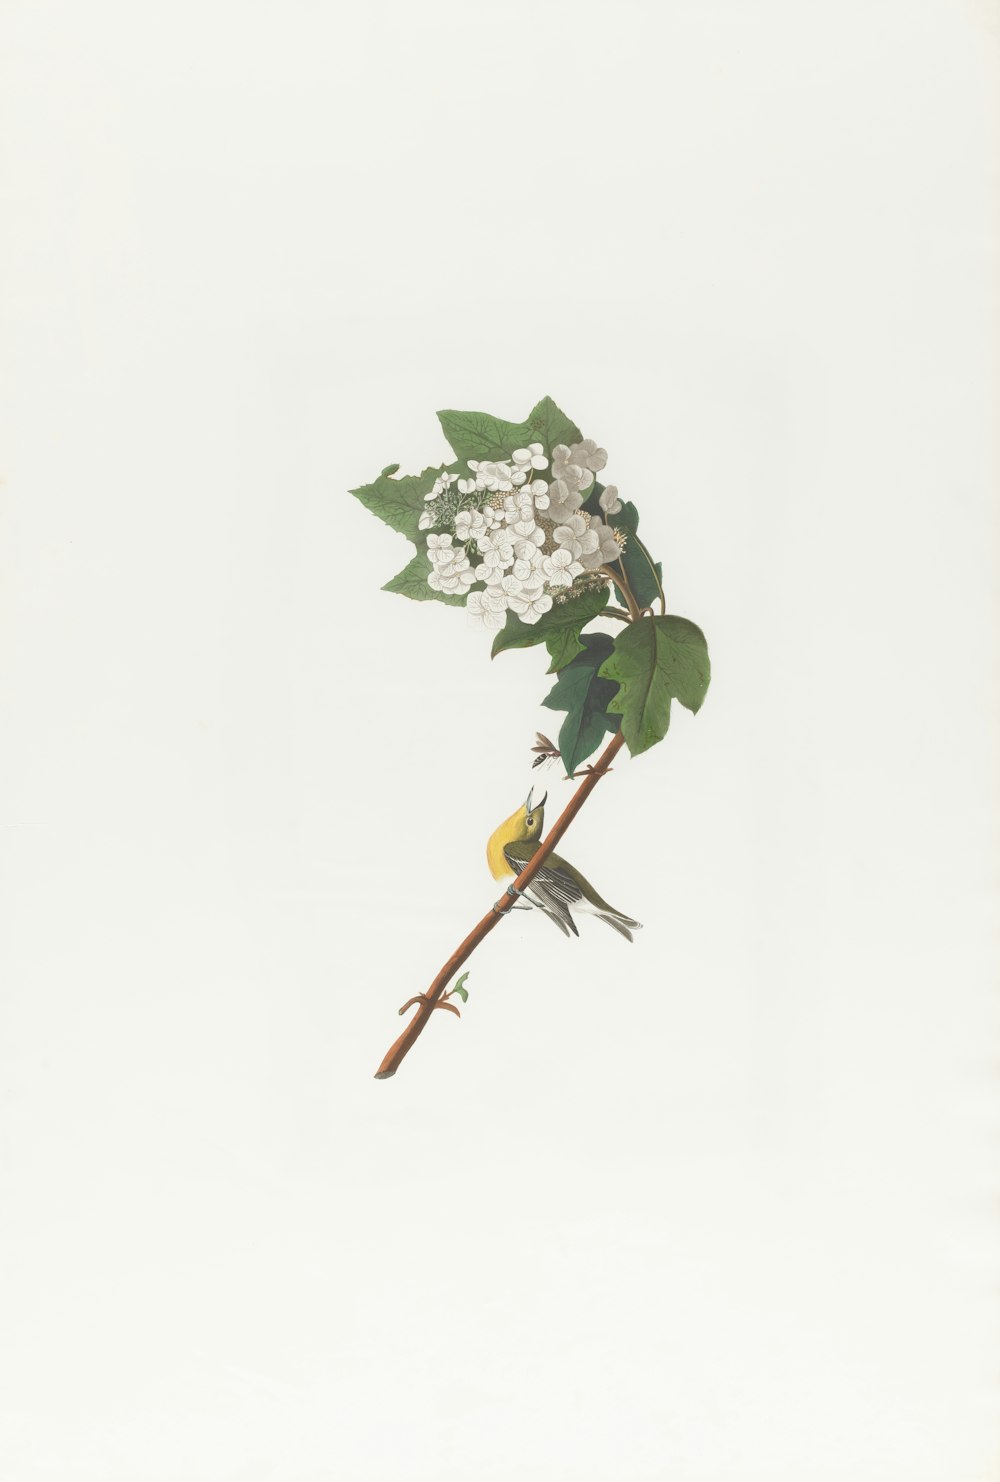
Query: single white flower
column 518, row 506
column 563, row 501
column 527, row 550
column 494, row 476
column 607, row 544
column 588, row 455
column 531, row 605
column 426, row 520
column 483, row 614
column 454, row 577
column 496, row 548
column 442, row 482
column 606, row 549
column 609, row 501
column 566, row 470
column 559, row 569
column 466, row 486
column 469, row 525
column 576, row 537
column 527, row 530
column 522, row 570
column 533, row 455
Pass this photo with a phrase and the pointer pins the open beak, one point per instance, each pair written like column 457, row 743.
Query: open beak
column 527, row 806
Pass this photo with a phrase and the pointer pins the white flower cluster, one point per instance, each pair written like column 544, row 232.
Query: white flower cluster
column 519, row 534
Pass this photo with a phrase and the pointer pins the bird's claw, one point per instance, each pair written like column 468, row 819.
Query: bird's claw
column 434, row 1003
column 511, row 890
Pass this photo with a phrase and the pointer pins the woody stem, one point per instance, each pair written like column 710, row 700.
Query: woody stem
column 620, row 581
column 425, row 1006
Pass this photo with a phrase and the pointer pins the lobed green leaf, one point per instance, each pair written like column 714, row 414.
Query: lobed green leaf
column 551, row 426
column 655, row 660
column 479, row 436
column 586, row 697
column 399, row 503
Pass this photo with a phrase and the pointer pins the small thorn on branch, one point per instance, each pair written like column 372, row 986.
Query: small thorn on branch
column 431, row 1003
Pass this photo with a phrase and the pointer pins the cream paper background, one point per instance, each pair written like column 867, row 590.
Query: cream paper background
column 721, row 1207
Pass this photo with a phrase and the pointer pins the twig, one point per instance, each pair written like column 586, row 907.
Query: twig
column 429, row 1001
column 621, row 582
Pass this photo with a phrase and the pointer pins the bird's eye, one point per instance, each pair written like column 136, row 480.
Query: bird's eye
column 530, row 820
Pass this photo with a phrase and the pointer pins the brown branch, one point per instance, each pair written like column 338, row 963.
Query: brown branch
column 429, row 1001
column 621, row 582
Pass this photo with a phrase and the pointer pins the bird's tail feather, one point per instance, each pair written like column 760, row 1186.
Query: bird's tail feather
column 620, row 923
column 556, row 911
column 560, row 922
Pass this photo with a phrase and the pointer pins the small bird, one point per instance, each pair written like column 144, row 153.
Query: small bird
column 557, row 885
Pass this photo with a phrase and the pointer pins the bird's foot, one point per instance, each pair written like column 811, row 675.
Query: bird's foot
column 511, row 890
column 433, row 1003
column 586, row 771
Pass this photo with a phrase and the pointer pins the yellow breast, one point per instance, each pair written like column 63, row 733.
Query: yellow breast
column 512, row 828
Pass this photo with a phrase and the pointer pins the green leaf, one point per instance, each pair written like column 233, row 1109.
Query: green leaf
column 462, row 991
column 558, row 629
column 478, row 435
column 412, row 582
column 398, row 502
column 686, row 659
column 586, row 697
column 638, row 568
column 654, row 661
column 551, row 426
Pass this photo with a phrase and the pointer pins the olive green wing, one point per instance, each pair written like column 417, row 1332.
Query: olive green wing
column 551, row 888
